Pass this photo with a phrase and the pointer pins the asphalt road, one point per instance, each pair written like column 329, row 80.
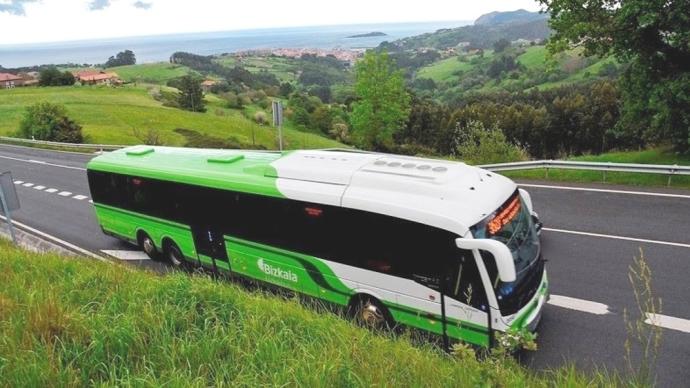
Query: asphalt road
column 592, row 233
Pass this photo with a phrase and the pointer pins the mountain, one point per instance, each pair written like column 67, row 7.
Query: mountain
column 512, row 17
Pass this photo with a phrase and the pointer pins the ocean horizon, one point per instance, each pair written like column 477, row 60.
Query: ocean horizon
column 157, row 48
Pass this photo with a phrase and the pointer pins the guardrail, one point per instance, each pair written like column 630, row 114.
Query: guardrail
column 604, row 167
column 59, row 145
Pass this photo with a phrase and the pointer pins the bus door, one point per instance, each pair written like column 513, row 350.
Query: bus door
column 210, row 247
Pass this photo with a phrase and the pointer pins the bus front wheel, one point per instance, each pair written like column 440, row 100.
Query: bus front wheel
column 148, row 246
column 370, row 312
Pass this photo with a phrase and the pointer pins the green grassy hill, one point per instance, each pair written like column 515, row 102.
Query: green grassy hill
column 445, row 70
column 155, row 73
column 284, row 69
column 75, row 322
column 110, row 115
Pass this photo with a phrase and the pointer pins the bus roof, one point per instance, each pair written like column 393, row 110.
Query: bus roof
column 449, row 195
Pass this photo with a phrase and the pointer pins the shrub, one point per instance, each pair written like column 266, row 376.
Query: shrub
column 479, row 145
column 260, row 118
column 47, row 121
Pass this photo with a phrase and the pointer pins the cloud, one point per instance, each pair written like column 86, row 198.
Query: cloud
column 96, row 5
column 142, row 5
column 14, row 7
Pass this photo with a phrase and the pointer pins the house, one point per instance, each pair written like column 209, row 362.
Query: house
column 97, row 77
column 10, row 81
column 207, row 85
column 30, row 79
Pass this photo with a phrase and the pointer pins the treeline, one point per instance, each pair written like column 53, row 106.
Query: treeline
column 569, row 120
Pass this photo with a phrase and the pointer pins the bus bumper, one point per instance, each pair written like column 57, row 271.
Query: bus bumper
column 531, row 323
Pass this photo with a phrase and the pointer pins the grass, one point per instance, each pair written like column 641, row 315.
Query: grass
column 108, row 116
column 155, row 73
column 75, row 322
column 651, row 156
column 533, row 57
column 445, row 70
column 285, row 69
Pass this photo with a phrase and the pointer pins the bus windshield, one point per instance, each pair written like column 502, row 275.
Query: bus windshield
column 512, row 225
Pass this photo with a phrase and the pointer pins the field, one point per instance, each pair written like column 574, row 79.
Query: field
column 445, row 70
column 111, row 116
column 155, row 73
column 75, row 322
column 283, row 68
column 533, row 57
column 652, row 156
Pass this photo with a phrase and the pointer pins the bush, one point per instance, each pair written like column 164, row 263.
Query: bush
column 260, row 118
column 478, row 145
column 47, row 121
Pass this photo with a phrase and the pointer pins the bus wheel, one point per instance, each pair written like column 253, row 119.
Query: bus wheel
column 369, row 312
column 148, row 246
column 174, row 254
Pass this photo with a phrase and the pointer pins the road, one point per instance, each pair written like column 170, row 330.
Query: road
column 591, row 234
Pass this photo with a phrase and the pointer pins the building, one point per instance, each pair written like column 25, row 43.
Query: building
column 10, row 81
column 30, row 79
column 207, row 85
column 97, row 77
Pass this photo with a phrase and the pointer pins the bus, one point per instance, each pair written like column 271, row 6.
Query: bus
column 435, row 245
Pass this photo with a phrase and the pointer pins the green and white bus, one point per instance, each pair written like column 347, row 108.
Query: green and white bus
column 435, row 245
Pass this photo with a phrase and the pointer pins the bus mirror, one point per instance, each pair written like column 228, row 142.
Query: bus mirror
column 501, row 253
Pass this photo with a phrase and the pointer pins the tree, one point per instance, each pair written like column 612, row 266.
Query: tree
column 383, row 104
column 501, row 45
column 47, row 121
column 479, row 145
column 51, row 76
column 654, row 38
column 286, row 89
column 122, row 58
column 191, row 95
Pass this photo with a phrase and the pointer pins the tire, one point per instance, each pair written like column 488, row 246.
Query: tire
column 174, row 255
column 370, row 312
column 147, row 245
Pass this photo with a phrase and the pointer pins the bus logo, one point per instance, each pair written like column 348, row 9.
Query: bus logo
column 276, row 272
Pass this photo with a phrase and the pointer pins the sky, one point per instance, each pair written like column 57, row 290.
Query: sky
column 34, row 21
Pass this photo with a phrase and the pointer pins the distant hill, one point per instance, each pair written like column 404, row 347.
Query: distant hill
column 487, row 29
column 512, row 17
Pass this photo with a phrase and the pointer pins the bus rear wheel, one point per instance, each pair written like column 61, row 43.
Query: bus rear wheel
column 148, row 246
column 174, row 255
column 369, row 312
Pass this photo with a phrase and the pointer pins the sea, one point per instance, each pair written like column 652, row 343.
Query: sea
column 159, row 47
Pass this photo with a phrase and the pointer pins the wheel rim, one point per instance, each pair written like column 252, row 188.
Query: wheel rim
column 149, row 248
column 175, row 258
column 371, row 315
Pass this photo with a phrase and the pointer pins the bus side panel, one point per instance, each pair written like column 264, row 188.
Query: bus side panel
column 306, row 274
column 126, row 224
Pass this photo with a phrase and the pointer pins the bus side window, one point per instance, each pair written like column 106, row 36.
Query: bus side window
column 464, row 282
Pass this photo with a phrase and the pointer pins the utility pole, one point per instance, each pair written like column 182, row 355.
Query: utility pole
column 8, row 200
column 278, row 121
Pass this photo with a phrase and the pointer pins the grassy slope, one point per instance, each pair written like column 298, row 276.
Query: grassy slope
column 72, row 322
column 109, row 114
column 533, row 57
column 444, row 70
column 283, row 68
column 653, row 156
column 157, row 73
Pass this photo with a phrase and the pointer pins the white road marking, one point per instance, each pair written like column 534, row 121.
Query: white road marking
column 39, row 187
column 127, row 255
column 80, row 197
column 579, row 305
column 651, row 194
column 18, row 182
column 57, row 240
column 44, row 163
column 667, row 322
column 65, row 193
column 51, row 191
column 642, row 240
column 28, row 184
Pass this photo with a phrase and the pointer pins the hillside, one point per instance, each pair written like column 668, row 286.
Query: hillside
column 75, row 322
column 111, row 115
column 514, row 17
column 486, row 30
column 151, row 72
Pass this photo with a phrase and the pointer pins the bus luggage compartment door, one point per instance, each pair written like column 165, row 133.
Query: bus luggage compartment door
column 210, row 247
